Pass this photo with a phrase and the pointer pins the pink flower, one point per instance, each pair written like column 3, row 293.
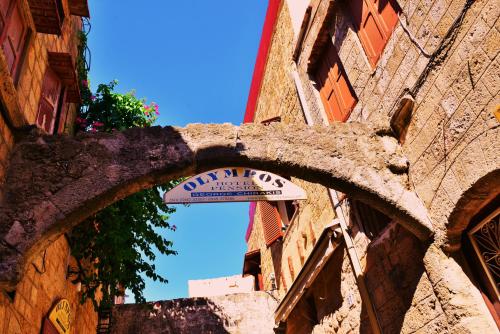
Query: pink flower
column 98, row 124
column 146, row 107
column 157, row 112
column 93, row 130
column 93, row 97
column 146, row 113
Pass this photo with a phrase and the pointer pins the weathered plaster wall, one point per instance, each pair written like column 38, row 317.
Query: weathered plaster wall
column 245, row 313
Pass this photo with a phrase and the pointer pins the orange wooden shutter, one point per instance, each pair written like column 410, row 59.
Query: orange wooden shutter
column 13, row 37
column 374, row 20
column 336, row 93
column 271, row 222
column 49, row 100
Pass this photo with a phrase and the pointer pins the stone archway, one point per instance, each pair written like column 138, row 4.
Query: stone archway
column 53, row 183
column 482, row 192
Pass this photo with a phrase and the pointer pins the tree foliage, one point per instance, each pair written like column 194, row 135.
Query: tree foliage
column 115, row 247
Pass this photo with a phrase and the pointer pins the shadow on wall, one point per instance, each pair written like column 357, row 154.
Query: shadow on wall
column 276, row 254
column 394, row 268
column 180, row 316
column 322, row 300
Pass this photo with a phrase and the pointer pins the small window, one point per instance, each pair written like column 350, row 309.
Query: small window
column 271, row 222
column 287, row 211
column 335, row 89
column 49, row 105
column 482, row 249
column 251, row 266
column 59, row 88
column 13, row 33
column 370, row 221
column 374, row 21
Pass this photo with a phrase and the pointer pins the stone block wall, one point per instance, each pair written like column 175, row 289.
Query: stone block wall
column 42, row 285
column 445, row 54
column 451, row 136
column 236, row 313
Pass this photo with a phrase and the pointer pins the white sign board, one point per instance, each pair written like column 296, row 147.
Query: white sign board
column 234, row 184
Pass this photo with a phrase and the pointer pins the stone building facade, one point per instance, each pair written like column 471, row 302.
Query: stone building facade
column 431, row 70
column 39, row 87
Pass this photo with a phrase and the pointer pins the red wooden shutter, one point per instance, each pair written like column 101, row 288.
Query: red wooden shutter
column 271, row 222
column 336, row 93
column 374, row 20
column 4, row 9
column 47, row 109
column 14, row 37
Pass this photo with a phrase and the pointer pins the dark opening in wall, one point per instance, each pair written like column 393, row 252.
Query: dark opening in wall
column 370, row 221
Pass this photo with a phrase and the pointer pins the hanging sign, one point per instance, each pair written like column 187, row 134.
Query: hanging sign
column 234, row 184
column 60, row 316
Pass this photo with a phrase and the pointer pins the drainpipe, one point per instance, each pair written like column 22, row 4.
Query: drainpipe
column 334, row 199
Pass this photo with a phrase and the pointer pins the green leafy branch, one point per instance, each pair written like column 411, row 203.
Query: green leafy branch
column 115, row 247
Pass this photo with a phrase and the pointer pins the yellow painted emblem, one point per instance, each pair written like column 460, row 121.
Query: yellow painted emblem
column 60, row 316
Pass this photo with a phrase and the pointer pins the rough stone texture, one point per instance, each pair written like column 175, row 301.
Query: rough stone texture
column 278, row 98
column 20, row 98
column 37, row 290
column 43, row 283
column 277, row 78
column 451, row 144
column 247, row 313
column 55, row 182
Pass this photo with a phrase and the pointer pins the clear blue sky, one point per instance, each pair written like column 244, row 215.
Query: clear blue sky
column 195, row 59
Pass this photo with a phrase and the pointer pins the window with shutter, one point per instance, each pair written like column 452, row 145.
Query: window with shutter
column 14, row 32
column 49, row 101
column 481, row 248
column 336, row 92
column 271, row 222
column 4, row 9
column 374, row 21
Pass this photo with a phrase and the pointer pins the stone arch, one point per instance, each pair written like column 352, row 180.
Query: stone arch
column 481, row 193
column 53, row 183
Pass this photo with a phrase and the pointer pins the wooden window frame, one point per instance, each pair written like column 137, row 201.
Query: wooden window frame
column 482, row 270
column 20, row 55
column 48, row 16
column 383, row 25
column 271, row 233
column 56, row 105
column 341, row 100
